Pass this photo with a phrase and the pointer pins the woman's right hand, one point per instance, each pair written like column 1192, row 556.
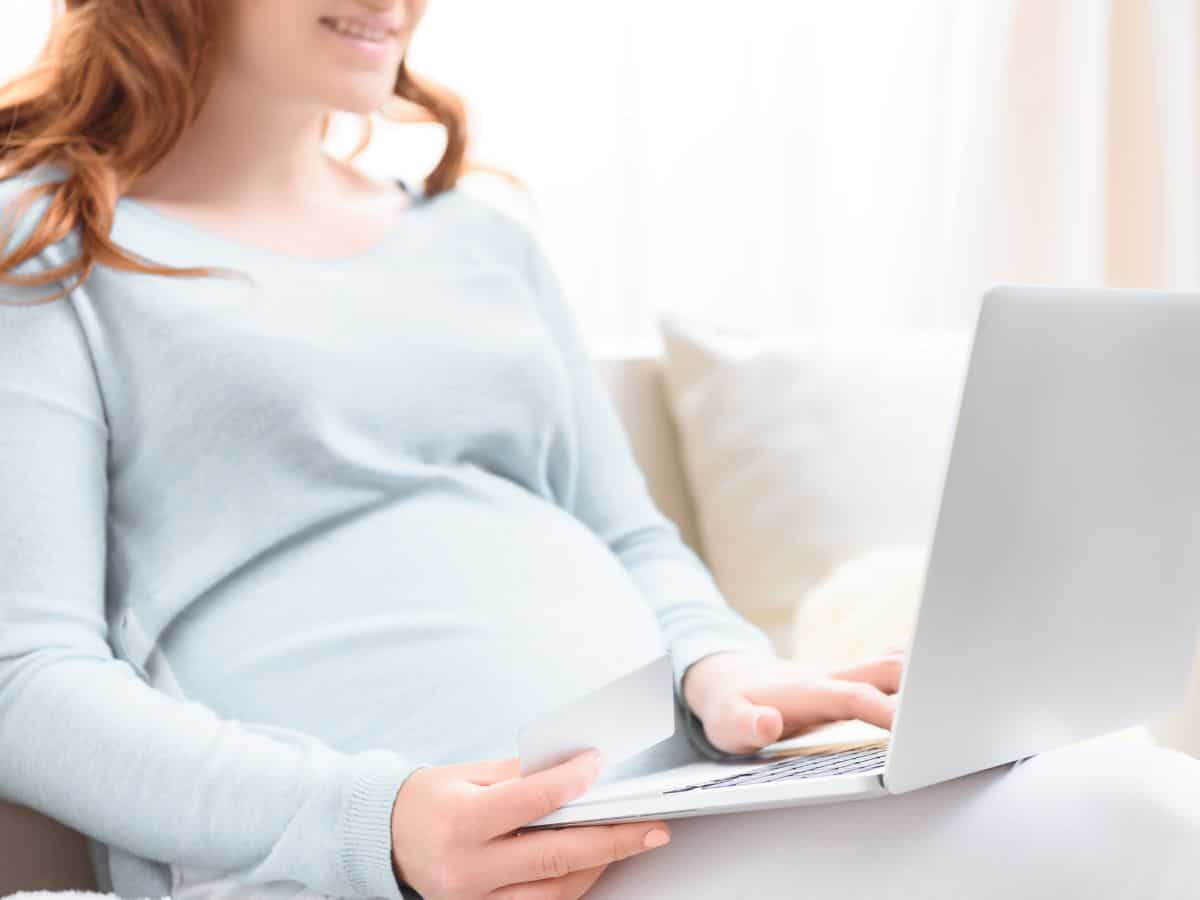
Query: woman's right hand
column 452, row 832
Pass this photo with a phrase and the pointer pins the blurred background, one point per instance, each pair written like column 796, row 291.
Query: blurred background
column 809, row 164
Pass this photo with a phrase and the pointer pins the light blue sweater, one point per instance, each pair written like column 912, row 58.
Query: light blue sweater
column 368, row 514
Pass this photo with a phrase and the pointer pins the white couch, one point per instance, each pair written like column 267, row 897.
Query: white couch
column 37, row 853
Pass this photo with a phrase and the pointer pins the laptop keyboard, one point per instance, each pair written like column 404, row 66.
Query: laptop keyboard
column 842, row 762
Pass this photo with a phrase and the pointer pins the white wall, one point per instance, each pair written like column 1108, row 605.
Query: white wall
column 23, row 25
column 795, row 165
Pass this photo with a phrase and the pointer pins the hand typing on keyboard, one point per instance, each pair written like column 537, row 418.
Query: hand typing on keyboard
column 748, row 700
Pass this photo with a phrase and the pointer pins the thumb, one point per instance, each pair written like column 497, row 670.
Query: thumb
column 487, row 771
column 749, row 726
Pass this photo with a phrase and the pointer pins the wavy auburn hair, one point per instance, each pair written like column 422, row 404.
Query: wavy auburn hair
column 114, row 87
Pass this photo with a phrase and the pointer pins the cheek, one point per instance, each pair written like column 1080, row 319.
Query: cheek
column 281, row 46
column 275, row 41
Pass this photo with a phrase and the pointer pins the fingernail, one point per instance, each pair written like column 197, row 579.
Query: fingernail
column 758, row 721
column 597, row 760
column 656, row 838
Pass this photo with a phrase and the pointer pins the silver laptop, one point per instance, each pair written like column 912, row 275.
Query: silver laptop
column 1062, row 595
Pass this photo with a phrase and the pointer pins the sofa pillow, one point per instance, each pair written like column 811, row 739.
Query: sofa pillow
column 803, row 451
column 866, row 606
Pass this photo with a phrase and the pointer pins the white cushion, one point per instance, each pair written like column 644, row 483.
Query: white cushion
column 803, row 451
column 867, row 605
column 634, row 378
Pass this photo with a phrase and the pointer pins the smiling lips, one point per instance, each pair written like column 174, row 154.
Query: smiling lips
column 357, row 28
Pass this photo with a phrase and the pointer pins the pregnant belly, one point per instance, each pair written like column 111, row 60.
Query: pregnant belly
column 435, row 626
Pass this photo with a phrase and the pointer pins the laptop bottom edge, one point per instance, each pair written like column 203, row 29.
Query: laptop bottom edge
column 744, row 798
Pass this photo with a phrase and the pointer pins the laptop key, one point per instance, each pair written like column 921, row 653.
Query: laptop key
column 862, row 760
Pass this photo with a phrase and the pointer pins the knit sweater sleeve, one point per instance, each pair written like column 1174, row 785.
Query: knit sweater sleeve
column 85, row 740
column 611, row 496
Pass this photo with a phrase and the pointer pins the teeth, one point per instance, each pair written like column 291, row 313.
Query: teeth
column 356, row 29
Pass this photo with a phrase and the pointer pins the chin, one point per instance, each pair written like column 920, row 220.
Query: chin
column 357, row 100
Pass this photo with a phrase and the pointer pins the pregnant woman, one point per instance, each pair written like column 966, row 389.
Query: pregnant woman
column 309, row 497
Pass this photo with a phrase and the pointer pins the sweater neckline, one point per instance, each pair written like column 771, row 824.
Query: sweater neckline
column 192, row 231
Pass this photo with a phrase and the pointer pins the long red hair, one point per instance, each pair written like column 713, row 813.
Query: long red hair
column 112, row 90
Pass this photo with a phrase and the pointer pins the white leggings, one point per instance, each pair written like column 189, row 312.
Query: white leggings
column 1096, row 820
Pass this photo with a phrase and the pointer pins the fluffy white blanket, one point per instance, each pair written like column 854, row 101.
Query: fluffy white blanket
column 864, row 606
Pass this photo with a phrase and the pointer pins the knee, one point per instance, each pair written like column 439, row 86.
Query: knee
column 1094, row 816
column 1137, row 796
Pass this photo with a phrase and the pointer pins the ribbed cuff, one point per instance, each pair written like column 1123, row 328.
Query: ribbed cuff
column 376, row 776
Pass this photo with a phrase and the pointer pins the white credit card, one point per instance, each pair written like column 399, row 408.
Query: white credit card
column 624, row 717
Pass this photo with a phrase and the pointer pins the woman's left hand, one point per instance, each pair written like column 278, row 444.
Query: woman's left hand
column 746, row 701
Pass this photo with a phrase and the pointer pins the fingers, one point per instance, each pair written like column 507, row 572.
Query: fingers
column 781, row 701
column 587, row 878
column 553, row 853
column 743, row 726
column 520, row 800
column 882, row 671
column 569, row 887
column 859, row 700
